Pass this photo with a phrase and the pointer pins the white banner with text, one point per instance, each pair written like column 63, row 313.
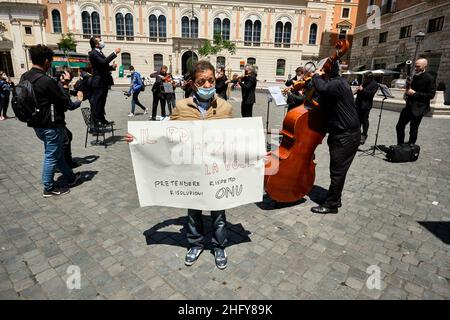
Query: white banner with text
column 205, row 165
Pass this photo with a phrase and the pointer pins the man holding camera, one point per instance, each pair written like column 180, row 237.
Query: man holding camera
column 49, row 123
column 101, row 80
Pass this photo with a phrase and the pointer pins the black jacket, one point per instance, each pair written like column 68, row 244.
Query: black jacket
column 336, row 99
column 221, row 87
column 290, row 82
column 425, row 87
column 364, row 97
column 48, row 93
column 101, row 70
column 158, row 86
column 248, row 85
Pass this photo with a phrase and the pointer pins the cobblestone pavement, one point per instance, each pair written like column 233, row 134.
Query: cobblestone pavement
column 388, row 219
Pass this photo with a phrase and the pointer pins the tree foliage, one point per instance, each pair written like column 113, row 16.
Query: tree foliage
column 67, row 42
column 217, row 46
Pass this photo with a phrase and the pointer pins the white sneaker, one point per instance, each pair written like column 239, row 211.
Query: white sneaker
column 131, row 114
column 146, row 111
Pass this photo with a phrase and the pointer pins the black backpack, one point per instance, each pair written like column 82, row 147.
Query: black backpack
column 403, row 153
column 24, row 101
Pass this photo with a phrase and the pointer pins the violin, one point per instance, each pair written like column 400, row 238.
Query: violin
column 297, row 85
column 290, row 169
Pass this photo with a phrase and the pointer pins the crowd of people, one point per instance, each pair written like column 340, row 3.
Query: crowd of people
column 206, row 99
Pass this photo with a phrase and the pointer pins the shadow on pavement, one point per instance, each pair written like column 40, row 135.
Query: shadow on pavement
column 113, row 139
column 441, row 229
column 318, row 194
column 270, row 204
column 86, row 159
column 85, row 176
column 236, row 233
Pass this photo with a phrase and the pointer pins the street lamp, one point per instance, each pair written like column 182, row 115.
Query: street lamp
column 192, row 36
column 418, row 39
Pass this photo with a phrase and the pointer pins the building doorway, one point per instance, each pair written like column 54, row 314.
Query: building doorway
column 188, row 59
column 6, row 63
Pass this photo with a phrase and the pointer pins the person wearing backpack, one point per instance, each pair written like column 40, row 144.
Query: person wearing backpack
column 137, row 85
column 48, row 121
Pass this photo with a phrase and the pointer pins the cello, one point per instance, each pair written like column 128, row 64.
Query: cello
column 290, row 169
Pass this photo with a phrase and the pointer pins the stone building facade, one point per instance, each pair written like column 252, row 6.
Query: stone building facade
column 393, row 43
column 276, row 35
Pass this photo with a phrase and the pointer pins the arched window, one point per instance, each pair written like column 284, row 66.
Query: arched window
column 120, row 26
column 222, row 27
column 153, row 27
column 56, row 19
column 91, row 24
column 251, row 61
column 129, row 31
column 220, row 62
column 162, row 28
column 281, row 67
column 185, row 30
column 248, row 33
column 96, row 29
column 86, row 23
column 126, row 60
column 313, row 34
column 252, row 33
column 226, row 29
column 278, row 34
column 257, row 33
column 217, row 27
column 158, row 61
column 287, row 35
column 189, row 27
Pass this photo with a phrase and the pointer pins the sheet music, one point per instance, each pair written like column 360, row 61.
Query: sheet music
column 277, row 96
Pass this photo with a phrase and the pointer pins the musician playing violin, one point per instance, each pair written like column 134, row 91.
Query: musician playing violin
column 158, row 92
column 248, row 87
column 343, row 127
column 294, row 96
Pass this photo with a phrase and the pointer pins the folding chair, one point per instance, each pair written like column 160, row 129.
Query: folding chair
column 90, row 128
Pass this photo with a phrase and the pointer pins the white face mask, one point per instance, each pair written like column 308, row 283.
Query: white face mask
column 101, row 44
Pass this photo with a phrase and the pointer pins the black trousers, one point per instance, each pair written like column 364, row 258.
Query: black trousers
column 67, row 145
column 363, row 114
column 407, row 116
column 4, row 103
column 195, row 231
column 171, row 100
column 158, row 98
column 98, row 101
column 343, row 147
column 294, row 100
column 246, row 110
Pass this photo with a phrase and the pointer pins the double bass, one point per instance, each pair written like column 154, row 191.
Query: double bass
column 290, row 169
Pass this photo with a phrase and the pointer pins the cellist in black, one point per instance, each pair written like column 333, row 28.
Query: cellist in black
column 343, row 127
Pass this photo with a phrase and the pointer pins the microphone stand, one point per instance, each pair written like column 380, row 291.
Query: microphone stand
column 386, row 94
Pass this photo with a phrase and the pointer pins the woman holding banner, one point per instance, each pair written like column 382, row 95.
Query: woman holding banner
column 203, row 104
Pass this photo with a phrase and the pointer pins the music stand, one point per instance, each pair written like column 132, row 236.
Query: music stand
column 276, row 96
column 268, row 144
column 386, row 93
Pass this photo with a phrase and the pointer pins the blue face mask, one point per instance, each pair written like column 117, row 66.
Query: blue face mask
column 206, row 93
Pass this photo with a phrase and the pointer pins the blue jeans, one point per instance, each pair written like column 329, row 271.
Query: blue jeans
column 53, row 139
column 135, row 101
